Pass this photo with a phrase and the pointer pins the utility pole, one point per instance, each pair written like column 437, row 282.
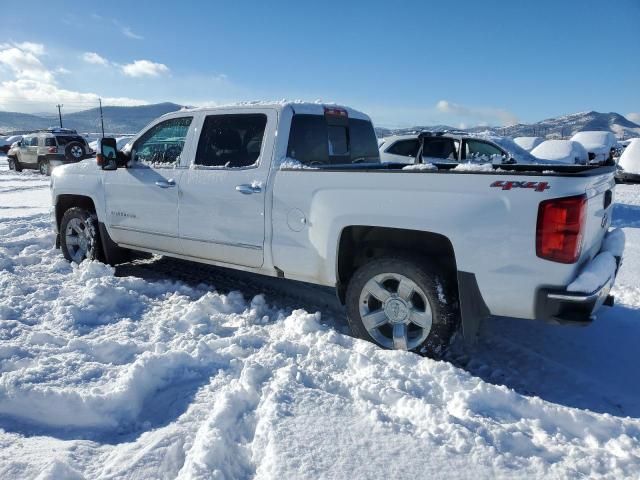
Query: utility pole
column 60, row 113
column 101, row 119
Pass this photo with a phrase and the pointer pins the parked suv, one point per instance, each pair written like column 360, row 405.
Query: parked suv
column 47, row 149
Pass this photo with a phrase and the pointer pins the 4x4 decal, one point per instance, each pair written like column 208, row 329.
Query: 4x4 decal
column 509, row 184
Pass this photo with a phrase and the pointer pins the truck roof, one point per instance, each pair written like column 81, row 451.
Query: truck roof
column 299, row 107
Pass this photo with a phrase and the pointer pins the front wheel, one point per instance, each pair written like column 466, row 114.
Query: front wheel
column 14, row 164
column 403, row 304
column 79, row 235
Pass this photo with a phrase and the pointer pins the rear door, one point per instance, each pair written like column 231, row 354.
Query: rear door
column 222, row 202
column 142, row 200
column 29, row 151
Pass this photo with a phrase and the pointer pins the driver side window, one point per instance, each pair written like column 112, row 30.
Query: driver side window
column 163, row 143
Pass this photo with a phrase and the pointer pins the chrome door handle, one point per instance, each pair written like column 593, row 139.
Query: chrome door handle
column 247, row 189
column 166, row 183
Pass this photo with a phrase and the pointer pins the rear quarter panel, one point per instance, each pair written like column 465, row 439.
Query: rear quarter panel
column 492, row 230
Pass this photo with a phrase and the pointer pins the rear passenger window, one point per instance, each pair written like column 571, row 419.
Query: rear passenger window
column 314, row 142
column 231, row 141
column 308, row 140
column 34, row 142
column 406, row 148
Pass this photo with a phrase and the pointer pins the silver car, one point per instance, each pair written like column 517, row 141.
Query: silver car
column 48, row 148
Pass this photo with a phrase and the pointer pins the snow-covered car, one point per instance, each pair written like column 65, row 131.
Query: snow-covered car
column 601, row 145
column 120, row 142
column 4, row 145
column 441, row 147
column 629, row 163
column 561, row 151
column 413, row 253
column 528, row 143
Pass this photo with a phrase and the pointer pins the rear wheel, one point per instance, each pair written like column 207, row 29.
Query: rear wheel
column 44, row 166
column 403, row 304
column 79, row 235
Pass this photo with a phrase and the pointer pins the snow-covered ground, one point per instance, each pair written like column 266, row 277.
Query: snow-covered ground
column 143, row 372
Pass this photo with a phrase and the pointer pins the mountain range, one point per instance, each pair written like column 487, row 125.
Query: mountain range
column 118, row 120
column 558, row 127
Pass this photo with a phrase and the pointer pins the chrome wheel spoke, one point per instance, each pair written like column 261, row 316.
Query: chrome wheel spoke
column 406, row 288
column 73, row 240
column 376, row 290
column 374, row 319
column 421, row 319
column 400, row 336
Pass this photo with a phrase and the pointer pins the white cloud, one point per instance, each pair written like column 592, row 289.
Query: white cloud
column 34, row 88
column 127, row 32
column 142, row 68
column 634, row 117
column 23, row 62
column 484, row 115
column 35, row 48
column 94, row 58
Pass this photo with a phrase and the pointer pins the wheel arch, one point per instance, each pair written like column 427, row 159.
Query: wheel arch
column 358, row 244
column 66, row 201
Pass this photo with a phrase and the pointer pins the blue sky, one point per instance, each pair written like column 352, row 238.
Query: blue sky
column 405, row 63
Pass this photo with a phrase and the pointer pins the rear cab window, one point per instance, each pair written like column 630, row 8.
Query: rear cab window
column 332, row 139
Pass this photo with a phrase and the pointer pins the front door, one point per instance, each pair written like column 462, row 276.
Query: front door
column 142, row 200
column 222, row 204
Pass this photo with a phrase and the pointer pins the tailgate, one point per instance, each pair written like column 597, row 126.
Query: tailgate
column 600, row 196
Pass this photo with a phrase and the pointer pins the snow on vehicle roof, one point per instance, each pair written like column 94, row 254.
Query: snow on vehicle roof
column 563, row 151
column 630, row 158
column 528, row 143
column 595, row 138
column 299, row 106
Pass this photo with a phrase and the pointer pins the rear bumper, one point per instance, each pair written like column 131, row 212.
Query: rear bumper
column 628, row 177
column 568, row 306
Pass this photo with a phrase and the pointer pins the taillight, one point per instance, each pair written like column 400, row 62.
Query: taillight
column 560, row 228
column 53, row 150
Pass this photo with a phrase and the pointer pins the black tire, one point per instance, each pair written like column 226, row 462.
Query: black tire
column 89, row 225
column 439, row 290
column 74, row 151
column 14, row 164
column 44, row 167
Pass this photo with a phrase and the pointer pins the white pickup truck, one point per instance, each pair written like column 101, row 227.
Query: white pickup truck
column 297, row 190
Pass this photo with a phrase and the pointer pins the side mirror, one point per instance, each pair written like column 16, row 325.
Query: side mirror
column 20, row 144
column 107, row 156
column 592, row 156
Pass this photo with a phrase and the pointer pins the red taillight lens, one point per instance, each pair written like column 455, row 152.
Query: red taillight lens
column 560, row 227
column 99, row 159
column 53, row 149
